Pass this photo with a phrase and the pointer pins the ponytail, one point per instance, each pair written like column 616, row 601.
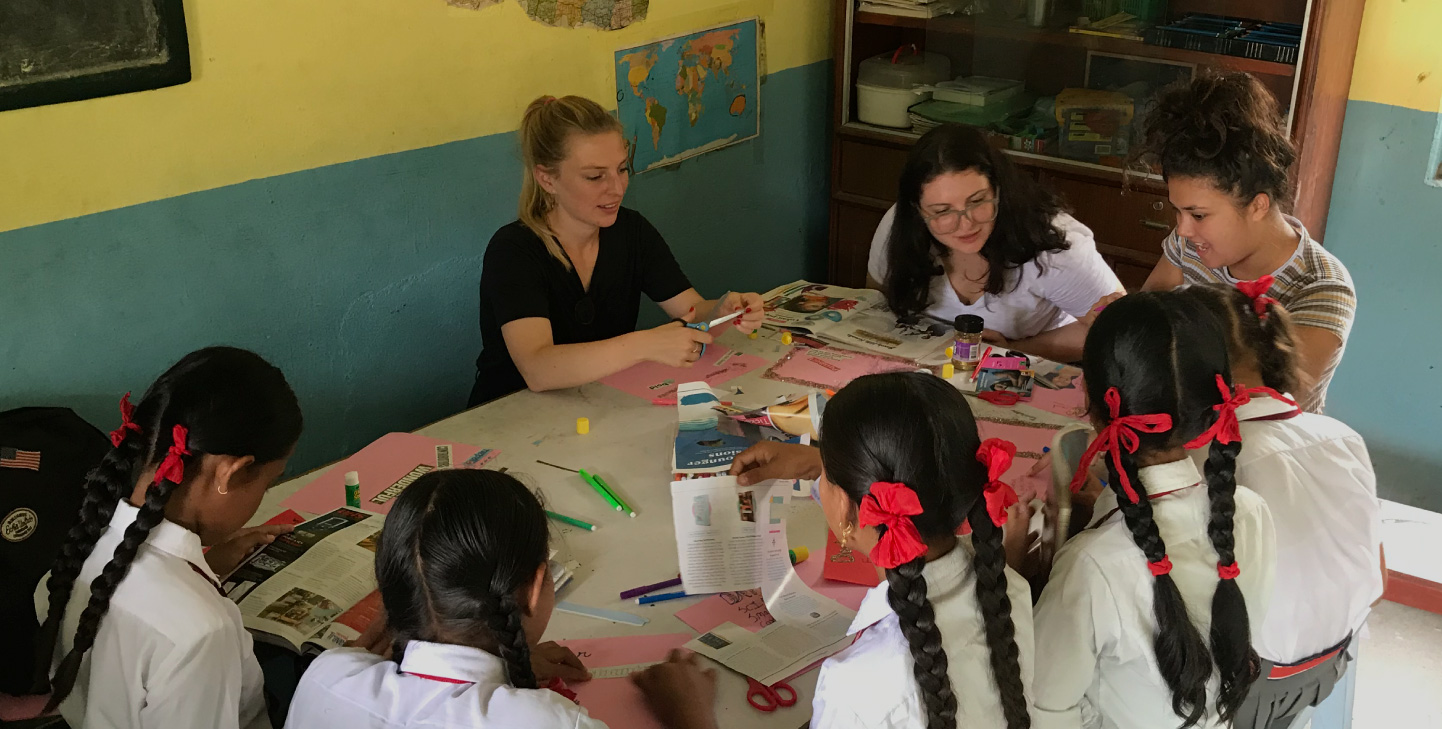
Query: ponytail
column 546, row 127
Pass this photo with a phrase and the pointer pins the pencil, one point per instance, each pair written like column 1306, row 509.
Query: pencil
column 572, row 521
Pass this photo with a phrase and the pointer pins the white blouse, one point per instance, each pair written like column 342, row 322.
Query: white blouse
column 436, row 685
column 870, row 684
column 1095, row 625
column 1317, row 479
column 171, row 651
column 1064, row 288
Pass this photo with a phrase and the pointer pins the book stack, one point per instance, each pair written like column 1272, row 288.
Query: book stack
column 912, row 8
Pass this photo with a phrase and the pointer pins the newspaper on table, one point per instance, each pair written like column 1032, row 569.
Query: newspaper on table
column 314, row 588
column 856, row 318
column 731, row 538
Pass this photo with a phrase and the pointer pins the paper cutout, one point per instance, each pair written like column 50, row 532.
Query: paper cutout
column 746, row 608
column 652, row 381
column 617, row 701
column 289, row 516
column 845, row 593
column 1069, row 402
column 829, row 368
column 844, row 564
column 381, row 465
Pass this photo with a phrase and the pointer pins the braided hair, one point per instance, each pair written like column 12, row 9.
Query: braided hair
column 1268, row 342
column 459, row 548
column 232, row 402
column 915, row 429
column 1163, row 351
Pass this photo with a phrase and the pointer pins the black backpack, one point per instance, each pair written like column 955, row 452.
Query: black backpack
column 45, row 454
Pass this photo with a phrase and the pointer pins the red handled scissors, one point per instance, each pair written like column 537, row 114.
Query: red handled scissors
column 769, row 698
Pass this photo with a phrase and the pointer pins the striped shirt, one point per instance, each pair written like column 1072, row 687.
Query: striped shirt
column 1312, row 285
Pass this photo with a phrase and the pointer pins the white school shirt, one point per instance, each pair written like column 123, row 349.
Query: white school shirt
column 348, row 688
column 1065, row 287
column 1317, row 479
column 870, row 684
column 171, row 651
column 1095, row 626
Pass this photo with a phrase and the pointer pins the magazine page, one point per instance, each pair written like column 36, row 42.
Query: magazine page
column 300, row 583
column 811, row 308
column 701, row 447
column 729, row 537
column 348, row 626
column 856, row 318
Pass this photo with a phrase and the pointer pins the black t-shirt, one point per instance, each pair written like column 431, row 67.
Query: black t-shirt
column 520, row 280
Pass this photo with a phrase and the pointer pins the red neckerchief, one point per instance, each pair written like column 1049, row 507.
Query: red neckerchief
column 442, row 679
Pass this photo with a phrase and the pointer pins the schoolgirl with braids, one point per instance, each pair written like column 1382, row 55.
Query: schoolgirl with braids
column 1316, row 476
column 946, row 640
column 462, row 571
column 1147, row 619
column 134, row 623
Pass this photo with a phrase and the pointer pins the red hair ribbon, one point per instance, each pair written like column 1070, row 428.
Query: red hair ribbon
column 1120, row 433
column 1228, row 571
column 1160, row 567
column 1257, row 292
column 997, row 454
column 172, row 469
column 1228, row 429
column 127, row 410
column 893, row 505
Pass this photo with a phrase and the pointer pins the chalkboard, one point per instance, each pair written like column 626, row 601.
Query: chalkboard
column 53, row 51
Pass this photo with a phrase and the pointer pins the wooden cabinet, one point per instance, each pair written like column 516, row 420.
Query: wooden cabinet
column 1130, row 220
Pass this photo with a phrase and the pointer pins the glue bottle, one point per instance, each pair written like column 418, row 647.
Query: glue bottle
column 352, row 489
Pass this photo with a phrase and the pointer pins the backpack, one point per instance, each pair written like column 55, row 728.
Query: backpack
column 45, row 454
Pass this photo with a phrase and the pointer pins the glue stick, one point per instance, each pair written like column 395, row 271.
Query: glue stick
column 352, row 489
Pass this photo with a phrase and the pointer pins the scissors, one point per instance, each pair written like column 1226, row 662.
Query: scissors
column 705, row 326
column 769, row 698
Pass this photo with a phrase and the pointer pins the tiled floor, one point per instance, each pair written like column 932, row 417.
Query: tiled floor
column 1399, row 678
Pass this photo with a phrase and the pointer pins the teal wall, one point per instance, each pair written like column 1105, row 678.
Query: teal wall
column 360, row 279
column 1386, row 225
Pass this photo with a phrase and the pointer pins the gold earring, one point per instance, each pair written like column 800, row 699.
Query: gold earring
column 222, row 490
column 846, row 534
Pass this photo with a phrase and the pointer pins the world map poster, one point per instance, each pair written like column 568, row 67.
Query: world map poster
column 690, row 94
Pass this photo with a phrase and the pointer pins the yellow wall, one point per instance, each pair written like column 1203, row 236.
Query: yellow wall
column 1399, row 54
column 286, row 85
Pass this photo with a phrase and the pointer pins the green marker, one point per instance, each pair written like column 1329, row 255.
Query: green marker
column 602, row 490
column 569, row 520
column 621, row 505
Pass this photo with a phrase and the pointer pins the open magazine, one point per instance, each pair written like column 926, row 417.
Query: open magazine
column 856, row 318
column 314, row 588
column 710, row 432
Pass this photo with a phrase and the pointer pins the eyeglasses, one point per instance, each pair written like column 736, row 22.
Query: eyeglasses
column 980, row 212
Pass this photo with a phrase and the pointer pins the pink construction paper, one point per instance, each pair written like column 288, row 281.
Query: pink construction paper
column 379, row 465
column 830, row 368
column 746, row 608
column 1069, row 402
column 617, row 701
column 1029, row 443
column 651, row 380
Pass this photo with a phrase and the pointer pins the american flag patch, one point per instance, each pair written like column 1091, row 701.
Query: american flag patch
column 16, row 458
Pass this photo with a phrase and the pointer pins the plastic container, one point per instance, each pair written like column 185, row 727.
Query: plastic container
column 885, row 85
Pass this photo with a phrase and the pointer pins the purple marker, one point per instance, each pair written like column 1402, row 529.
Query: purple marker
column 637, row 591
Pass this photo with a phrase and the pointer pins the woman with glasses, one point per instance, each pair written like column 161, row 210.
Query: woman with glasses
column 969, row 234
column 561, row 287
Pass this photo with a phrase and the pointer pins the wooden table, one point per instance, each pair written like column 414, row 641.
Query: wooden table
column 629, row 445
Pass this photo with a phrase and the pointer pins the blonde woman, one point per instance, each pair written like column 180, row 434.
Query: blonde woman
column 561, row 286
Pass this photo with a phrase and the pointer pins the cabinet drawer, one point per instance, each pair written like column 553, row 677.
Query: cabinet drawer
column 869, row 169
column 1135, row 220
column 853, row 227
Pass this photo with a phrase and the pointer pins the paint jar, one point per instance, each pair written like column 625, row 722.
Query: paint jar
column 968, row 341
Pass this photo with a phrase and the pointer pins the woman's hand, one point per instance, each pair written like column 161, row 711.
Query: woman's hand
column 223, row 558
column 1101, row 304
column 749, row 303
column 549, row 661
column 674, row 345
column 680, row 693
column 994, row 338
column 769, row 459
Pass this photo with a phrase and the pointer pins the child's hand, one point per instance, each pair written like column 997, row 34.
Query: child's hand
column 769, row 459
column 1017, row 538
column 376, row 638
column 680, row 692
column 549, row 661
column 223, row 558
